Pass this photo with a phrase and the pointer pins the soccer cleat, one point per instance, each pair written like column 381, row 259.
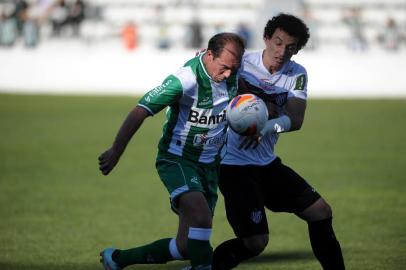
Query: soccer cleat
column 107, row 259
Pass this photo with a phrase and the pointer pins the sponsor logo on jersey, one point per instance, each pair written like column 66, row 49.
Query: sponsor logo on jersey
column 256, row 216
column 203, row 139
column 205, row 119
column 220, row 94
column 205, row 101
column 157, row 90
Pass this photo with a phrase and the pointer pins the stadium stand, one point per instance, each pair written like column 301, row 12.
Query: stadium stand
column 99, row 62
column 105, row 18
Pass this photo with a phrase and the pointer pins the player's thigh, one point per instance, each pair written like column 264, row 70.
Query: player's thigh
column 243, row 202
column 285, row 190
column 178, row 176
column 181, row 176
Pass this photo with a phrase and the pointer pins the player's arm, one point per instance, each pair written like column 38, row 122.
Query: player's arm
column 151, row 103
column 109, row 159
column 295, row 109
column 291, row 120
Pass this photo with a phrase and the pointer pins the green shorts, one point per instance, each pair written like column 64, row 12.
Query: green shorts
column 180, row 175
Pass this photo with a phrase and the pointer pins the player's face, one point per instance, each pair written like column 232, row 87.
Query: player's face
column 279, row 49
column 220, row 68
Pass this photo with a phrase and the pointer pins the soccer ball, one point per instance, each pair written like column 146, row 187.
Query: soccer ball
column 247, row 114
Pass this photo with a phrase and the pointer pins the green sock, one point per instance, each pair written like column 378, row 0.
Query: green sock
column 200, row 254
column 154, row 253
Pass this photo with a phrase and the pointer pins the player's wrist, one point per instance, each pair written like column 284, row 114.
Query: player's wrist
column 277, row 125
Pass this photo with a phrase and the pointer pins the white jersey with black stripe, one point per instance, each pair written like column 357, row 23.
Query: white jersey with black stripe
column 290, row 81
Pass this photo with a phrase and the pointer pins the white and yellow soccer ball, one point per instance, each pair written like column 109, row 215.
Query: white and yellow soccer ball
column 247, row 114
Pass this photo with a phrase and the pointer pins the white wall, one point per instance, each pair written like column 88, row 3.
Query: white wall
column 73, row 68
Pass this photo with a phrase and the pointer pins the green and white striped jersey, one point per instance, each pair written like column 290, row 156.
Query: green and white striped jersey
column 196, row 117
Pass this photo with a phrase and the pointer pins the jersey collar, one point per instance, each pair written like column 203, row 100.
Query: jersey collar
column 203, row 66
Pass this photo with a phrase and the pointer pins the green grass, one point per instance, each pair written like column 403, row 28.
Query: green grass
column 57, row 211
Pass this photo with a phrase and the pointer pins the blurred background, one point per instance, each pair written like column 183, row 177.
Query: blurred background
column 356, row 49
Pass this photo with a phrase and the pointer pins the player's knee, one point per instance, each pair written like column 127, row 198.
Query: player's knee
column 317, row 211
column 193, row 207
column 322, row 210
column 257, row 243
column 325, row 210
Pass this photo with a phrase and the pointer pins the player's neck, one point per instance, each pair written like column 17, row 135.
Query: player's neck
column 267, row 63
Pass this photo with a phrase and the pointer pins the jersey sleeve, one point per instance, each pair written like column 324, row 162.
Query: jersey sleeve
column 299, row 84
column 162, row 96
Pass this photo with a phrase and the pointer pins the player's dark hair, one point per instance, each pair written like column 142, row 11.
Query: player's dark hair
column 219, row 41
column 290, row 24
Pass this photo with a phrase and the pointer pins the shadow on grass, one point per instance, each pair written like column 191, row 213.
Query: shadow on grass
column 282, row 256
column 262, row 259
column 85, row 266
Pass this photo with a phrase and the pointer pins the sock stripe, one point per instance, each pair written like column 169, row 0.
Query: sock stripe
column 199, row 234
column 173, row 249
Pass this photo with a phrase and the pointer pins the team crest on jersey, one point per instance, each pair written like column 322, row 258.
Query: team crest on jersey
column 256, row 216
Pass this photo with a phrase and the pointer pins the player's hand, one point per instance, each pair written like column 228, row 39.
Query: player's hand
column 250, row 141
column 108, row 160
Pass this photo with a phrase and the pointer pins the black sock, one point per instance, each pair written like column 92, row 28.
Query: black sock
column 230, row 253
column 325, row 246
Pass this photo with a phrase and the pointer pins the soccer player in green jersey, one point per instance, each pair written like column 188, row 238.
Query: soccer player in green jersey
column 188, row 152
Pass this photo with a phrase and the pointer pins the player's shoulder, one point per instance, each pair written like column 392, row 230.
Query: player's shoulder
column 188, row 73
column 252, row 56
column 295, row 68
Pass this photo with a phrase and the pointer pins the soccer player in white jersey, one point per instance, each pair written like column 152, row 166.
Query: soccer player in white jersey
column 252, row 177
column 188, row 152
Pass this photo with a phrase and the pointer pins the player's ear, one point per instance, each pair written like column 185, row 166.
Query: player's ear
column 210, row 55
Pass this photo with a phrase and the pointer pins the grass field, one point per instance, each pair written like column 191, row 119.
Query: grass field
column 57, row 211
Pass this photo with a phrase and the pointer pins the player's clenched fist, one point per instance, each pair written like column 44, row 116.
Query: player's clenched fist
column 108, row 160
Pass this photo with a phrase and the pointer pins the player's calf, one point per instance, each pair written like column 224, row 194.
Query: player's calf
column 257, row 243
column 231, row 253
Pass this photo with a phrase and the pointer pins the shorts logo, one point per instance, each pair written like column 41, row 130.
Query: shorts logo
column 256, row 216
column 194, row 180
